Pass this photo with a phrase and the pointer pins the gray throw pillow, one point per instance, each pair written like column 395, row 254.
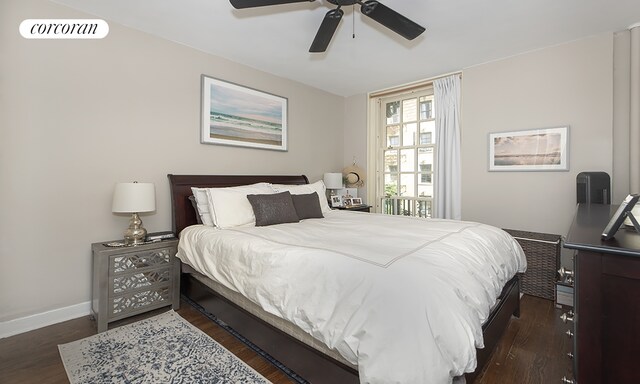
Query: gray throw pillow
column 307, row 206
column 273, row 209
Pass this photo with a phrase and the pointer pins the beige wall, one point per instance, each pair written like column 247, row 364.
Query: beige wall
column 78, row 116
column 355, row 135
column 621, row 110
column 569, row 84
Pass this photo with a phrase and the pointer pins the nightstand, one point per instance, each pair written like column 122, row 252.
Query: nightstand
column 362, row 208
column 131, row 280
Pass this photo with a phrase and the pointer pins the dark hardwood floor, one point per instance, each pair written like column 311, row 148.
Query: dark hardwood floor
column 532, row 350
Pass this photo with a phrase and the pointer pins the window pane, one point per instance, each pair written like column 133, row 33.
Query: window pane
column 425, row 159
column 391, row 161
column 406, row 207
column 426, row 189
column 388, row 206
column 393, row 136
column 409, row 110
column 390, row 185
column 427, row 132
column 409, row 134
column 425, row 175
column 423, row 209
column 426, row 108
column 393, row 112
column 407, row 160
column 408, row 184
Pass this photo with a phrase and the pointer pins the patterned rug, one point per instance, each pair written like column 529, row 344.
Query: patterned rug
column 162, row 349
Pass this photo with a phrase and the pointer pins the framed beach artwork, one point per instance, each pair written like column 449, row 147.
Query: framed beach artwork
column 241, row 116
column 545, row 149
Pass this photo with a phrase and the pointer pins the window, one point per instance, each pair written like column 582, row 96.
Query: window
column 405, row 154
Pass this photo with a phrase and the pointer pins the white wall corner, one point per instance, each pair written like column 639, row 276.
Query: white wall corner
column 39, row 320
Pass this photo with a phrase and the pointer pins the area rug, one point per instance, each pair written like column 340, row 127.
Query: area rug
column 161, row 349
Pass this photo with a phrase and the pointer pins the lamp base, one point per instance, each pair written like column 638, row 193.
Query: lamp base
column 135, row 234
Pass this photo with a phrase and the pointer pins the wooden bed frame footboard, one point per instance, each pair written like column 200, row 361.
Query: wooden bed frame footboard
column 307, row 362
column 496, row 324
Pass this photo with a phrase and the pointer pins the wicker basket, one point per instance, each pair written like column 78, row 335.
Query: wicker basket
column 543, row 260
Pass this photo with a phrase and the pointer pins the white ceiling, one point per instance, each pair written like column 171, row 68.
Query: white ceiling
column 276, row 39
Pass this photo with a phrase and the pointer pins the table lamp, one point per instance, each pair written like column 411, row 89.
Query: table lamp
column 332, row 181
column 134, row 198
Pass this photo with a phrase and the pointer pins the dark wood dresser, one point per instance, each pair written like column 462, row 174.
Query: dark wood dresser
column 606, row 301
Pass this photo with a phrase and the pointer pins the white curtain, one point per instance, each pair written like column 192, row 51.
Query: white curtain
column 446, row 93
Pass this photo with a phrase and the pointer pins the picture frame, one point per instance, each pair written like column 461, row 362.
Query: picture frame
column 356, row 201
column 545, row 149
column 336, row 201
column 623, row 212
column 347, row 202
column 236, row 115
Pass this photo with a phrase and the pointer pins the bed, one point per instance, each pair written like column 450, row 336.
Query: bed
column 321, row 357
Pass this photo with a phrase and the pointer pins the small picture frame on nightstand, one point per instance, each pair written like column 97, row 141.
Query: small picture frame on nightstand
column 336, row 201
column 356, row 201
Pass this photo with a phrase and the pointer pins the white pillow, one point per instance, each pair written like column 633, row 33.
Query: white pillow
column 229, row 207
column 202, row 203
column 304, row 189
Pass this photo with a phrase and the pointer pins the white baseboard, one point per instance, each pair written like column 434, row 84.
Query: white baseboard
column 39, row 320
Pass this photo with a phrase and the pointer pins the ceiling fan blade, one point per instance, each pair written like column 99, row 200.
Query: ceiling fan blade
column 391, row 19
column 240, row 4
column 326, row 30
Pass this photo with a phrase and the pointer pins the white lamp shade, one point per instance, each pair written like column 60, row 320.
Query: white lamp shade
column 333, row 180
column 134, row 198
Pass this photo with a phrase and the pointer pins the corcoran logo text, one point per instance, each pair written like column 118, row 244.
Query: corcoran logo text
column 64, row 29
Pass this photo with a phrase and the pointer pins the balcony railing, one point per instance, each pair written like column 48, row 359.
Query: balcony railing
column 407, row 206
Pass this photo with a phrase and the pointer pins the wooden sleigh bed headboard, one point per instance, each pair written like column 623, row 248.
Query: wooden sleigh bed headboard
column 182, row 212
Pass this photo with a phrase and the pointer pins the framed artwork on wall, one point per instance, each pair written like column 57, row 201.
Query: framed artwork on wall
column 545, row 149
column 241, row 116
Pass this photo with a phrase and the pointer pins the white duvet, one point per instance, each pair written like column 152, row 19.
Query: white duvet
column 402, row 298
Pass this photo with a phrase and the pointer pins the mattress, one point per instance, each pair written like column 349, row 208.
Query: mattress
column 403, row 299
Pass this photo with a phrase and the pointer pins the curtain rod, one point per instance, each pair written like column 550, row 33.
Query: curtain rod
column 411, row 86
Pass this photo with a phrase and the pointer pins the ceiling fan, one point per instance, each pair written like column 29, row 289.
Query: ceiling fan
column 370, row 8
